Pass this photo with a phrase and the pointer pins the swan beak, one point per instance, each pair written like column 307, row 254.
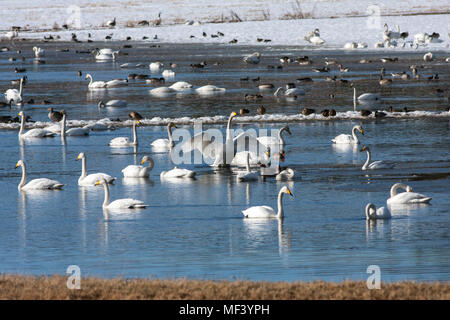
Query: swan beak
column 234, row 114
column 138, row 122
column 289, row 192
column 17, row 165
column 410, row 190
column 97, row 183
column 142, row 162
column 362, row 149
column 362, row 132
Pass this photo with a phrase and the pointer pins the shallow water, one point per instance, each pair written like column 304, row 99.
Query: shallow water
column 195, row 228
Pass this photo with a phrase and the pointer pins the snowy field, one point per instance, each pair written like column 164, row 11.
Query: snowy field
column 281, row 22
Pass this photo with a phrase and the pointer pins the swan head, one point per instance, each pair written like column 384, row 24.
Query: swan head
column 233, row 114
column 370, row 210
column 409, row 189
column 146, row 159
column 365, row 148
column 360, row 129
column 287, row 191
column 19, row 163
column 101, row 104
column 286, row 128
column 171, row 125
column 81, row 156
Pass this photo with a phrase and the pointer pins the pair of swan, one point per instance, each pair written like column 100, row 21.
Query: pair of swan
column 33, row 133
column 36, row 184
column 349, row 139
column 165, row 143
column 105, row 84
column 139, row 171
column 14, row 95
column 93, row 178
column 266, row 212
column 380, row 164
column 128, row 203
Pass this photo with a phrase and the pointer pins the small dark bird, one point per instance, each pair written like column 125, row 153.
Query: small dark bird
column 325, row 112
column 128, row 38
column 385, row 60
column 302, row 59
column 324, row 69
column 434, row 77
column 256, row 79
column 214, row 36
column 261, row 110
column 404, row 35
column 144, row 38
column 244, row 79
column 259, row 39
column 65, row 26
column 220, row 33
column 380, row 114
column 204, row 34
column 55, row 116
column 191, row 36
column 143, row 23
column 141, row 76
column 307, row 111
column 20, row 70
column 109, row 36
column 46, row 102
column 332, row 113
column 132, row 76
column 254, row 97
column 30, row 101
column 267, row 40
column 198, row 65
column 365, row 113
column 135, row 116
column 290, row 85
column 233, row 41
column 50, row 37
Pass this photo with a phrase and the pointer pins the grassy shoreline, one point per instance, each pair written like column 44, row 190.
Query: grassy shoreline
column 17, row 287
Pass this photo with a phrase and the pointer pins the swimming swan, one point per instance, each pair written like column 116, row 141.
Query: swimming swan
column 14, row 95
column 380, row 164
column 254, row 58
column 38, row 52
column 372, row 213
column 95, row 84
column 365, row 96
column 135, row 171
column 406, row 197
column 36, row 184
column 165, row 143
column 247, row 175
column 266, row 212
column 289, row 92
column 346, row 138
column 73, row 132
column 33, row 133
column 269, row 140
column 113, row 103
column 91, row 180
column 125, row 141
column 177, row 173
column 119, row 203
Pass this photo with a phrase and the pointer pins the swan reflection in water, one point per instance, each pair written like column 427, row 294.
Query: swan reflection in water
column 260, row 231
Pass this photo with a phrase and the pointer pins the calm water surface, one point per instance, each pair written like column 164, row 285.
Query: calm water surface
column 195, row 228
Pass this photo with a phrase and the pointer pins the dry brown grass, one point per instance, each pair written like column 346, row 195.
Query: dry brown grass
column 54, row 287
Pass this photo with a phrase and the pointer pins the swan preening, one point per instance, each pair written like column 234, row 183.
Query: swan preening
column 365, row 96
column 266, row 212
column 380, row 164
column 406, row 197
column 125, row 141
column 177, row 173
column 139, row 171
column 155, row 66
column 181, row 86
column 372, row 213
column 14, row 95
column 119, row 203
column 209, row 89
column 106, row 54
column 254, row 58
column 113, row 103
column 91, row 179
column 346, row 138
column 33, row 133
column 314, row 37
column 36, row 184
column 165, row 143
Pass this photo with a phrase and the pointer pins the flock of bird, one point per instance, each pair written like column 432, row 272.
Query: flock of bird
column 221, row 158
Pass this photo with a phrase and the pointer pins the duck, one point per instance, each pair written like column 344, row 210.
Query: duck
column 91, row 179
column 384, row 82
column 261, row 110
column 266, row 212
column 380, row 164
column 177, row 173
column 36, row 184
column 307, row 111
column 372, row 213
column 54, row 116
column 406, row 197
column 165, row 143
column 139, row 171
column 347, row 138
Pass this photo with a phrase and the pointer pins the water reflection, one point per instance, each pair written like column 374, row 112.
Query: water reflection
column 260, row 231
column 126, row 181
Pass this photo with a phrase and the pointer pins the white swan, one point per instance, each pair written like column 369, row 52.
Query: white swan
column 113, row 103
column 266, row 212
column 106, row 55
column 119, row 203
column 388, row 35
column 380, row 164
column 428, row 57
column 181, row 86
column 168, row 73
column 116, row 83
column 36, row 184
column 135, row 171
column 365, row 96
column 406, row 197
column 125, row 141
column 14, row 95
column 209, row 89
column 372, row 213
column 286, row 174
column 155, row 66
column 254, row 58
column 161, row 91
column 247, row 175
column 177, row 173
column 91, row 179
column 38, row 52
column 314, row 37
column 346, row 138
column 289, row 92
column 73, row 132
column 165, row 143
column 95, row 84
column 269, row 140
column 33, row 133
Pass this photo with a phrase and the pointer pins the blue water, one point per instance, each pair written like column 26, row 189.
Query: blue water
column 195, row 228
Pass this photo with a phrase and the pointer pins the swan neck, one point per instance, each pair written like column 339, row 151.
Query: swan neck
column 169, row 132
column 135, row 138
column 83, row 167
column 395, row 187
column 229, row 127
column 151, row 164
column 24, row 176
column 63, row 126
column 355, row 137
column 90, row 77
column 354, row 98
column 366, row 164
column 280, row 137
column 22, row 125
column 280, row 213
column 106, row 201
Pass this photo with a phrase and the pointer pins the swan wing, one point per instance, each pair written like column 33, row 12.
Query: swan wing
column 260, row 212
column 120, row 141
column 126, row 204
column 247, row 176
column 134, row 171
column 344, row 138
column 380, row 164
column 38, row 133
column 161, row 143
column 93, row 178
column 77, row 132
column 408, row 197
column 43, row 183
